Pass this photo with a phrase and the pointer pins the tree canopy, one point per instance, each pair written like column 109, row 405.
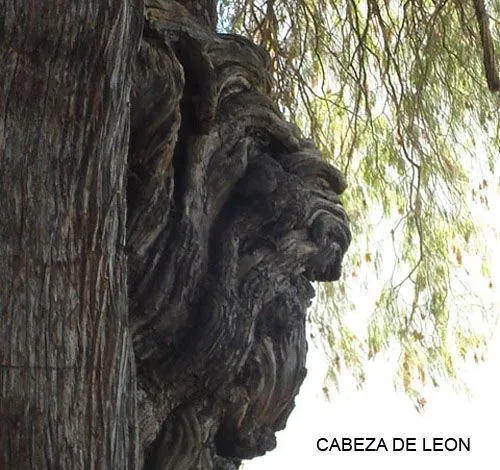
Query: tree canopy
column 401, row 95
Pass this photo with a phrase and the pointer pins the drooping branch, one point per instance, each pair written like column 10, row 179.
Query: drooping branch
column 489, row 59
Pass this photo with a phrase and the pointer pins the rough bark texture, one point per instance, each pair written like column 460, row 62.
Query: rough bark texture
column 229, row 217
column 67, row 372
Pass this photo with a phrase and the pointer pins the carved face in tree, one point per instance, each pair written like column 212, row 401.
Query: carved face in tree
column 231, row 216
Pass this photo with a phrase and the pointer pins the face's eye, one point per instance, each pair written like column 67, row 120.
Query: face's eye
column 233, row 86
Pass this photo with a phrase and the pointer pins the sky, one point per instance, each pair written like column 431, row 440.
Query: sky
column 379, row 411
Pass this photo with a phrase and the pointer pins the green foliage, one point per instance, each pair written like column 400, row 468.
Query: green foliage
column 394, row 93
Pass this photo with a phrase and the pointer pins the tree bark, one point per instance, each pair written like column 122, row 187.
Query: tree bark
column 203, row 261
column 67, row 373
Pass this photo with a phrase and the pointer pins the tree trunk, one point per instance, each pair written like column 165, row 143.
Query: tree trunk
column 229, row 217
column 67, row 373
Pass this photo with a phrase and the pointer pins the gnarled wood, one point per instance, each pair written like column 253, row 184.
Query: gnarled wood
column 231, row 216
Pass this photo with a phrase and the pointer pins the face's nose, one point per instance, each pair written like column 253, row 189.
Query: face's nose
column 328, row 229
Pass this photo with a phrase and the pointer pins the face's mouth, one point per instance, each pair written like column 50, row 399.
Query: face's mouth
column 326, row 266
